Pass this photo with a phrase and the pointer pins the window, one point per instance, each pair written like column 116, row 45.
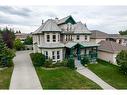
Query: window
column 53, row 54
column 85, row 37
column 58, row 38
column 54, row 38
column 77, row 37
column 46, row 54
column 66, row 37
column 58, row 54
column 48, row 38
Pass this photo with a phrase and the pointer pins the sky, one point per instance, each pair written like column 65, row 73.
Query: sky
column 109, row 19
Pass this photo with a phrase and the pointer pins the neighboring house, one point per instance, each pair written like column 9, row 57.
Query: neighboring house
column 64, row 38
column 108, row 50
column 21, row 36
column 118, row 39
column 98, row 36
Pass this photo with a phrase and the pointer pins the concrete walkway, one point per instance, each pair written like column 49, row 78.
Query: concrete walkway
column 92, row 76
column 24, row 75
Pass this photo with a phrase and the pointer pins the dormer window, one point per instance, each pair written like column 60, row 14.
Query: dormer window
column 54, row 38
column 77, row 37
column 48, row 38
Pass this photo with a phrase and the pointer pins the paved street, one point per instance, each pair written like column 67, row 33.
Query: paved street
column 89, row 74
column 24, row 75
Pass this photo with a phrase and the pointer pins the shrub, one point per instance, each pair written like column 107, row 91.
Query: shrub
column 18, row 45
column 61, row 63
column 48, row 63
column 85, row 60
column 38, row 59
column 70, row 63
column 121, row 60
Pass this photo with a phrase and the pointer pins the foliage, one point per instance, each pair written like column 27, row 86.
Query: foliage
column 85, row 60
column 18, row 45
column 123, row 32
column 121, row 59
column 6, row 53
column 71, row 63
column 8, row 37
column 38, row 59
column 61, row 63
column 48, row 63
column 28, row 41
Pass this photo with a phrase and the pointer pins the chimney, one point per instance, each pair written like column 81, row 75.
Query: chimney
column 56, row 19
column 42, row 22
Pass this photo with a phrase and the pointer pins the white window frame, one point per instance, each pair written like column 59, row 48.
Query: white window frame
column 54, row 40
column 46, row 54
column 78, row 37
column 58, row 54
column 53, row 54
column 48, row 40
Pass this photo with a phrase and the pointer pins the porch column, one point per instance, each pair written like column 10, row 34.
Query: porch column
column 79, row 50
column 96, row 51
column 71, row 52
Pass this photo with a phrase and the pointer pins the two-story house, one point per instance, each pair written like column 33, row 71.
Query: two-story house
column 63, row 38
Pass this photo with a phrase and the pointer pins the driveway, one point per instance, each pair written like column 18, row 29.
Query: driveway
column 92, row 76
column 24, row 75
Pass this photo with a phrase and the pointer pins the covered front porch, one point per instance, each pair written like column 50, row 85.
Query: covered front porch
column 79, row 50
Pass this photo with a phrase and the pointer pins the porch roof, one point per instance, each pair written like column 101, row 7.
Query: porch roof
column 51, row 45
column 88, row 44
column 84, row 44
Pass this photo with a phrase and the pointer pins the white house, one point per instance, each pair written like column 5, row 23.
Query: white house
column 63, row 38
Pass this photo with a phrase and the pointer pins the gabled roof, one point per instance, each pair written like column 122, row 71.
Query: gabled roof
column 70, row 44
column 63, row 20
column 79, row 27
column 49, row 26
column 99, row 34
column 117, row 36
column 110, row 46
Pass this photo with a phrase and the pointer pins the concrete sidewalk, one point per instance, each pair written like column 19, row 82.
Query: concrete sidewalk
column 92, row 76
column 24, row 75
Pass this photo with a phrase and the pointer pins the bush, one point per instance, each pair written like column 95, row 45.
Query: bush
column 18, row 45
column 70, row 63
column 61, row 63
column 85, row 60
column 38, row 59
column 48, row 63
column 121, row 60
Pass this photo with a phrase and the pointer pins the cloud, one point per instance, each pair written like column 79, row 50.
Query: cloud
column 15, row 11
column 110, row 19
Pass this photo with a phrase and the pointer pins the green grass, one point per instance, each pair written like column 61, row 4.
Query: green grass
column 5, row 77
column 64, row 78
column 110, row 74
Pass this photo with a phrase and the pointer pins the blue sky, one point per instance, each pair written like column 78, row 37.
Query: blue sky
column 109, row 19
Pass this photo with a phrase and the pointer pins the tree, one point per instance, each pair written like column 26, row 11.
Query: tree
column 8, row 37
column 121, row 60
column 123, row 32
column 18, row 45
column 71, row 63
column 28, row 41
column 5, row 52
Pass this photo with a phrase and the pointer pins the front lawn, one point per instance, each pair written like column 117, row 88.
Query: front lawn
column 110, row 74
column 64, row 78
column 5, row 77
